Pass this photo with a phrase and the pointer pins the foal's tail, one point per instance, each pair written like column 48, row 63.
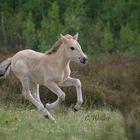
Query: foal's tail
column 5, row 68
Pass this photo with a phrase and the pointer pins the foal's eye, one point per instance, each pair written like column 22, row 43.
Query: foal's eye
column 72, row 48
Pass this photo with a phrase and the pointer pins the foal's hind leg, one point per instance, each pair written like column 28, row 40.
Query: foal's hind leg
column 26, row 83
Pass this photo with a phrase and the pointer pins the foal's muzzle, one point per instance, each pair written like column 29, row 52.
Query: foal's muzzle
column 83, row 60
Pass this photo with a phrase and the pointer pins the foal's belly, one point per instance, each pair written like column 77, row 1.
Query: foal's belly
column 57, row 78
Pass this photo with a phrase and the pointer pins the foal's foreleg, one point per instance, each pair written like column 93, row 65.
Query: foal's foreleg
column 75, row 82
column 55, row 89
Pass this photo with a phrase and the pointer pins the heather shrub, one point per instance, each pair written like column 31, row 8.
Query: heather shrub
column 107, row 80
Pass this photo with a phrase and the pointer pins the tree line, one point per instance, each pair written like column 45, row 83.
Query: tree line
column 103, row 25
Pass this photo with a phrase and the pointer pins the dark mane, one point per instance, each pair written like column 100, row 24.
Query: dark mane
column 57, row 45
column 54, row 48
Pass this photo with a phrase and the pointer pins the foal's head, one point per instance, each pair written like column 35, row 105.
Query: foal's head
column 73, row 49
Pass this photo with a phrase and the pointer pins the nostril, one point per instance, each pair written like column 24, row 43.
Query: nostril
column 84, row 59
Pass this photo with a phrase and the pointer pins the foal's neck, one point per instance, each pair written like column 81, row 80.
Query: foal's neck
column 61, row 58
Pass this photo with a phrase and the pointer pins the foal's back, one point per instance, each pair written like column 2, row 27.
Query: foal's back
column 27, row 54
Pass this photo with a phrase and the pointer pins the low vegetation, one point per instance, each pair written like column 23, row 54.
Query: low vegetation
column 109, row 81
column 28, row 124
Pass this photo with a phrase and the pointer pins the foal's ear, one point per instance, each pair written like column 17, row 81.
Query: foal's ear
column 63, row 38
column 76, row 36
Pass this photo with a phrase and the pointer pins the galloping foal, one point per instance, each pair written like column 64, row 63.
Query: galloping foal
column 50, row 69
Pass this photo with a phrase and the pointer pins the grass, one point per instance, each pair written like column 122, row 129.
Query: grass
column 28, row 124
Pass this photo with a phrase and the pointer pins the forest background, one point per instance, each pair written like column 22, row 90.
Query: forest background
column 103, row 25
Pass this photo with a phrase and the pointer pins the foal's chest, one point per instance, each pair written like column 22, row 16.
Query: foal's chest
column 60, row 75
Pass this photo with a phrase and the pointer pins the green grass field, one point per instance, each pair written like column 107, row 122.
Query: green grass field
column 29, row 124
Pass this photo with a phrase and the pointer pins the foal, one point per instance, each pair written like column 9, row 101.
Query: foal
column 50, row 69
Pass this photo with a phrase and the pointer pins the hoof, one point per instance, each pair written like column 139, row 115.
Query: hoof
column 48, row 106
column 52, row 119
column 46, row 116
column 75, row 110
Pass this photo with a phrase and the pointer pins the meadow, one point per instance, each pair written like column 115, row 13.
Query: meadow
column 28, row 124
